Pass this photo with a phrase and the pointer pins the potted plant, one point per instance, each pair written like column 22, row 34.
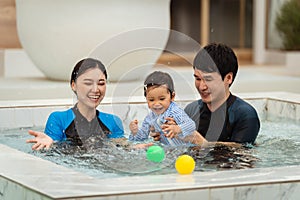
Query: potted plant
column 288, row 25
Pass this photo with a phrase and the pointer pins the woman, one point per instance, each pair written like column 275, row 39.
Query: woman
column 88, row 82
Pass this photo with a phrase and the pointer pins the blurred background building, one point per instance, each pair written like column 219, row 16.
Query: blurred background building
column 248, row 26
column 245, row 25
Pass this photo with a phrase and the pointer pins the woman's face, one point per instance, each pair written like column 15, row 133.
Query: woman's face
column 90, row 88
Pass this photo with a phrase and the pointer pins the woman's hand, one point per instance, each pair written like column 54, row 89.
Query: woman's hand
column 133, row 126
column 40, row 139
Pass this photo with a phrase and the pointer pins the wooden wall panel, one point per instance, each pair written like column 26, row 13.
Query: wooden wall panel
column 8, row 30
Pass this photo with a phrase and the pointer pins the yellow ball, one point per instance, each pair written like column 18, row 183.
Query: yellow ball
column 185, row 164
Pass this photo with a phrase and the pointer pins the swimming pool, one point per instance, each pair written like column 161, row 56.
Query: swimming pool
column 27, row 176
column 276, row 145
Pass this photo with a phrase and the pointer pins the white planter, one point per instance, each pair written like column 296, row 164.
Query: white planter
column 290, row 59
column 57, row 34
column 293, row 60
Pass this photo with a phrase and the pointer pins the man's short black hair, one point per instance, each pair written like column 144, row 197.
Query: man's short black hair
column 217, row 58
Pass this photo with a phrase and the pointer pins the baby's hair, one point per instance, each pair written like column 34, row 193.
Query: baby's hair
column 158, row 78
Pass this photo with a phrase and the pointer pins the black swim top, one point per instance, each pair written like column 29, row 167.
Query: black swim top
column 219, row 117
column 234, row 121
column 81, row 129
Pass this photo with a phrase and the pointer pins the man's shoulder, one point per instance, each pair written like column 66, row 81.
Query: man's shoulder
column 195, row 103
column 193, row 106
column 241, row 106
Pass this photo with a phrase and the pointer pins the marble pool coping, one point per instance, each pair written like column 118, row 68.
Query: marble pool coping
column 31, row 177
column 49, row 180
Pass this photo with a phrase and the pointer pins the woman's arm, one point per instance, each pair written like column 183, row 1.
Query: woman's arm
column 53, row 132
column 40, row 140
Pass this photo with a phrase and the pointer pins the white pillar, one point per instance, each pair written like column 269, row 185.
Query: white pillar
column 1, row 63
column 205, row 27
column 259, row 31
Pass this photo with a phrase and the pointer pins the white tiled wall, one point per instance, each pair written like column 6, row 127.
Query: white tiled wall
column 26, row 116
column 29, row 115
column 7, row 118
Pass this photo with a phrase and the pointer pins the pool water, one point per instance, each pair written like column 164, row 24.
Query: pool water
column 278, row 144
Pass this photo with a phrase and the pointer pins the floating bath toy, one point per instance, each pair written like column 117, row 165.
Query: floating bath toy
column 155, row 154
column 185, row 164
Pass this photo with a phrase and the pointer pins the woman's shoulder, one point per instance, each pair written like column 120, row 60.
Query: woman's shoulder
column 61, row 118
column 113, row 123
column 63, row 114
column 107, row 116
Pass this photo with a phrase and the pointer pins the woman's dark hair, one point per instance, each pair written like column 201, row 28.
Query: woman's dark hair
column 159, row 78
column 85, row 64
column 217, row 58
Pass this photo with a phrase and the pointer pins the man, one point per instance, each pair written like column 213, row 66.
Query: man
column 219, row 115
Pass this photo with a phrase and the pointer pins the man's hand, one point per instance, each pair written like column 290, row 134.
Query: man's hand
column 171, row 131
column 170, row 128
column 155, row 135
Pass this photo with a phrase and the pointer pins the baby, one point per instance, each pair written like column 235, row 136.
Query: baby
column 159, row 93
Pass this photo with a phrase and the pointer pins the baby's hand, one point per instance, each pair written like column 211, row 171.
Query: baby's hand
column 133, row 126
column 171, row 130
column 154, row 134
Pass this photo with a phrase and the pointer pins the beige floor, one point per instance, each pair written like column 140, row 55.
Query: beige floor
column 249, row 79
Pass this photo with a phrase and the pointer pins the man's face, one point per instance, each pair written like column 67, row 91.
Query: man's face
column 211, row 87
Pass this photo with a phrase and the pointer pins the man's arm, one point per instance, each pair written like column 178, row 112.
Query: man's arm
column 246, row 124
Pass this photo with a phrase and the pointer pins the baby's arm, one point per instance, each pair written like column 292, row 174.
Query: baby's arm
column 133, row 126
column 141, row 133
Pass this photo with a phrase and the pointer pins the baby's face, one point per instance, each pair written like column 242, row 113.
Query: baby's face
column 158, row 99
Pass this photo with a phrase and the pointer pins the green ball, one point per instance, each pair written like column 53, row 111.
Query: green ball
column 155, row 154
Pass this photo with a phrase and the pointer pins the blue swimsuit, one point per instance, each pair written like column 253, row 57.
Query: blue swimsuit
column 63, row 125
